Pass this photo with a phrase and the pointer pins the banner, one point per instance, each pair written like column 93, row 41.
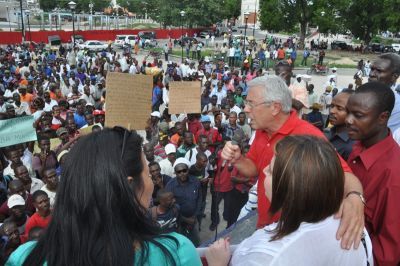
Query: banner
column 184, row 97
column 128, row 100
column 17, row 130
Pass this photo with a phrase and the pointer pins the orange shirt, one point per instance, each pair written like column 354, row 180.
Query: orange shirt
column 281, row 54
column 28, row 98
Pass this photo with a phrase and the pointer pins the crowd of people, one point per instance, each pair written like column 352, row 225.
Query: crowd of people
column 86, row 194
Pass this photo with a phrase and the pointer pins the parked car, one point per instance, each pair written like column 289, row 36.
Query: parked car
column 203, row 34
column 78, row 39
column 54, row 42
column 376, row 47
column 147, row 35
column 122, row 40
column 93, row 45
column 339, row 45
column 189, row 40
column 388, row 49
column 396, row 47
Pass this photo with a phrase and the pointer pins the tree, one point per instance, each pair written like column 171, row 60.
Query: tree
column 287, row 14
column 365, row 18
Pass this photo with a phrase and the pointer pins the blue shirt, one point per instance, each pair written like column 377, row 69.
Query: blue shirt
column 341, row 141
column 186, row 254
column 394, row 120
column 187, row 195
column 157, row 95
column 80, row 120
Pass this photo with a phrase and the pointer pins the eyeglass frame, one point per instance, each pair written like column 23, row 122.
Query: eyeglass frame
column 252, row 106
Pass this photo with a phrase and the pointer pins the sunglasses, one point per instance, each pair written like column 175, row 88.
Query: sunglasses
column 125, row 132
column 182, row 171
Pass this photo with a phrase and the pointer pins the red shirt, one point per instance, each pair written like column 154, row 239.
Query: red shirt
column 194, row 126
column 222, row 180
column 262, row 151
column 378, row 169
column 212, row 135
column 36, row 221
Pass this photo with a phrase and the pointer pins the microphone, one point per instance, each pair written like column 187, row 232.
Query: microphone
column 237, row 139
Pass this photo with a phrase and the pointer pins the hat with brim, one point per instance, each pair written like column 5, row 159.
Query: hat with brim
column 205, row 119
column 170, row 148
column 15, row 200
column 156, row 114
column 181, row 161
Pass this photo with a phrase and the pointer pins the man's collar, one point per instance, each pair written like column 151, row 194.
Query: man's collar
column 370, row 155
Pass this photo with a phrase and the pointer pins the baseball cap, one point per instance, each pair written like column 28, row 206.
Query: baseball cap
column 15, row 200
column 181, row 161
column 156, row 114
column 205, row 118
column 170, row 148
column 61, row 131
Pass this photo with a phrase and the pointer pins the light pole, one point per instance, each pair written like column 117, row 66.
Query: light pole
column 91, row 15
column 255, row 18
column 246, row 17
column 22, row 20
column 182, row 15
column 27, row 12
column 8, row 17
column 72, row 6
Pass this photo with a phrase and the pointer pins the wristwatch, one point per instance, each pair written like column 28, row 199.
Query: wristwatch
column 359, row 194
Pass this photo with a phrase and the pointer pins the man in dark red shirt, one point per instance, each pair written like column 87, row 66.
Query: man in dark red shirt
column 375, row 160
column 268, row 105
column 220, row 187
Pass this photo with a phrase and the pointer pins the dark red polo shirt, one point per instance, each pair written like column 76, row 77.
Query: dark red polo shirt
column 378, row 169
column 262, row 151
column 212, row 135
column 222, row 180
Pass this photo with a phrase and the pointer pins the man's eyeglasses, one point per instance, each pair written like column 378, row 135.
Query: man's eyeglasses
column 253, row 105
column 183, row 171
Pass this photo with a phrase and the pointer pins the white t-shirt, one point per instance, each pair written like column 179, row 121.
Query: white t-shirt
column 310, row 244
column 51, row 194
column 48, row 107
column 167, row 168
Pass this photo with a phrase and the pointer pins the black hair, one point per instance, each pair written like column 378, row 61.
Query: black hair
column 98, row 217
column 347, row 91
column 161, row 192
column 153, row 163
column 37, row 194
column 394, row 61
column 383, row 95
column 201, row 155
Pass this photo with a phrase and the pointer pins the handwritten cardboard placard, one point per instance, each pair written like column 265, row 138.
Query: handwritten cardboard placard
column 184, row 97
column 128, row 100
column 17, row 130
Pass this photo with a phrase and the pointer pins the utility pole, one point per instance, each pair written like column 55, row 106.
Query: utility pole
column 22, row 20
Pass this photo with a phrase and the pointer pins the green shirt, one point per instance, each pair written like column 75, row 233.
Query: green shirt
column 186, row 254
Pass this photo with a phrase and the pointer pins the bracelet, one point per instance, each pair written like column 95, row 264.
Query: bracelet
column 359, row 194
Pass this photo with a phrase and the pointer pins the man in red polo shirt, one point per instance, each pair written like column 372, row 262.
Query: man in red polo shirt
column 268, row 105
column 375, row 160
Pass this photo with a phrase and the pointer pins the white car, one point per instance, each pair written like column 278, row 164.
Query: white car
column 122, row 40
column 93, row 45
column 396, row 47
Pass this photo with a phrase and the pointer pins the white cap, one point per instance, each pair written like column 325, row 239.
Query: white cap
column 156, row 114
column 181, row 160
column 334, row 69
column 15, row 200
column 170, row 148
column 299, row 76
column 207, row 60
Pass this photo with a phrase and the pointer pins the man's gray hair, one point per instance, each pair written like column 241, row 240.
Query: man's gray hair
column 275, row 90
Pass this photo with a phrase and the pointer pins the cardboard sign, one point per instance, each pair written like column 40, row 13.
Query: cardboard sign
column 128, row 100
column 184, row 97
column 17, row 130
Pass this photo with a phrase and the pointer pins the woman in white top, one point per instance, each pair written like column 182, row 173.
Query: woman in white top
column 305, row 182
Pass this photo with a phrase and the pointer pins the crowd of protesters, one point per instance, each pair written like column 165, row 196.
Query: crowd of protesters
column 221, row 152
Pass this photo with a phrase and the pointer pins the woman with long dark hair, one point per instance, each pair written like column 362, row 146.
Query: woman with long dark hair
column 100, row 215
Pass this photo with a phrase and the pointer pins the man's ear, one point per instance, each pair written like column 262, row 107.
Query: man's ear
column 383, row 118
